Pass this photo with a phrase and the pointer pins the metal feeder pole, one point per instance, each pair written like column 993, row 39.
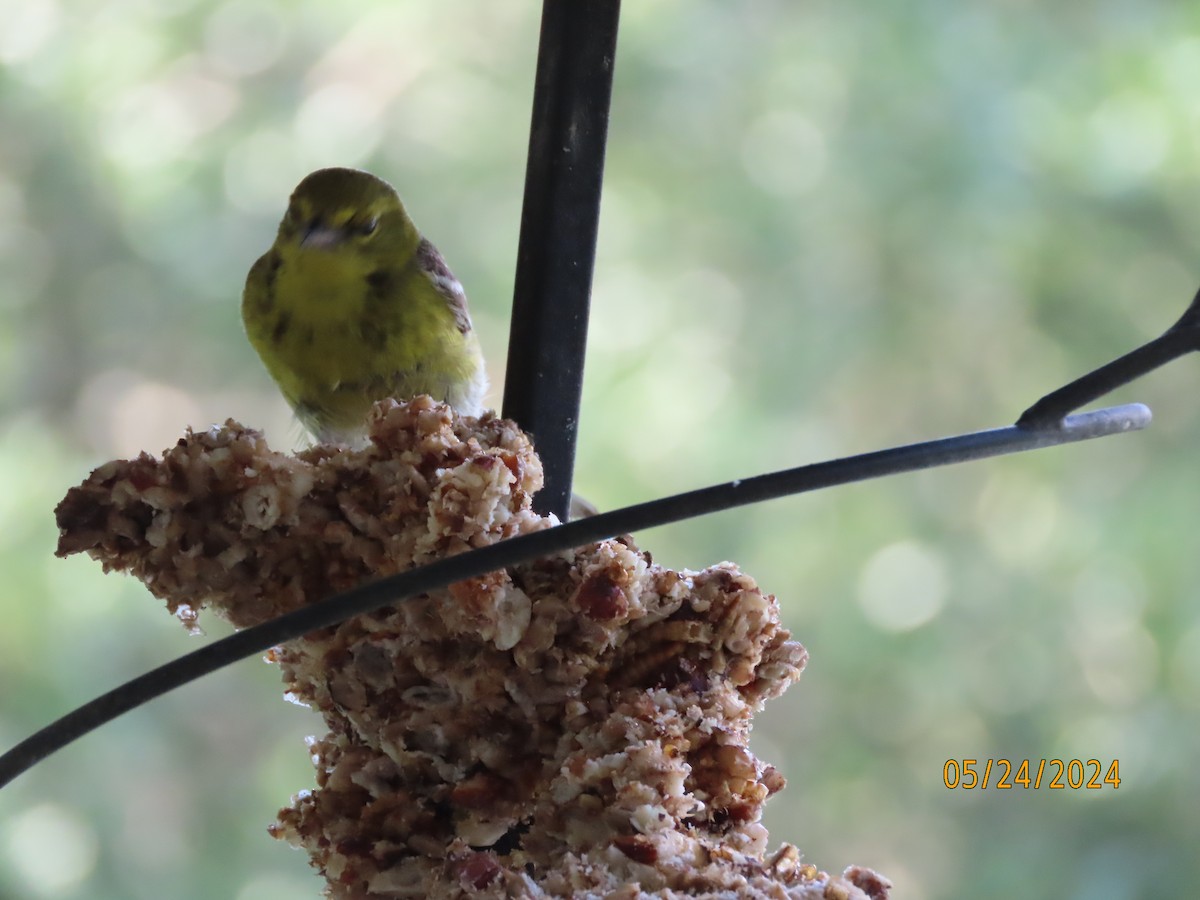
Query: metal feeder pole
column 559, row 220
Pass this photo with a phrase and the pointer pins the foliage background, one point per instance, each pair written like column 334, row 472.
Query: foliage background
column 826, row 229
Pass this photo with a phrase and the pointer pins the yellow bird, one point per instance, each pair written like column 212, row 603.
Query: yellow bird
column 352, row 304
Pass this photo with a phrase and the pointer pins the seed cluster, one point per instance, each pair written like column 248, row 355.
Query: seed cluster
column 572, row 727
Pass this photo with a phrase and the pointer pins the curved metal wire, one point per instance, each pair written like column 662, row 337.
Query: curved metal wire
column 526, row 547
column 1182, row 337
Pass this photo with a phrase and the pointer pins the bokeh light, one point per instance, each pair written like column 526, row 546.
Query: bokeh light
column 825, row 229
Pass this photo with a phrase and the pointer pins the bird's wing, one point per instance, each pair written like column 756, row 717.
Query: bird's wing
column 258, row 297
column 435, row 269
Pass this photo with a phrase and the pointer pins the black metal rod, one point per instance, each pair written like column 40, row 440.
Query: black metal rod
column 514, row 551
column 1182, row 337
column 548, row 335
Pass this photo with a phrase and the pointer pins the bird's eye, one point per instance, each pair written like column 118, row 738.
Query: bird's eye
column 368, row 227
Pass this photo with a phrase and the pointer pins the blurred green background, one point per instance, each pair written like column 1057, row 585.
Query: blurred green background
column 826, row 228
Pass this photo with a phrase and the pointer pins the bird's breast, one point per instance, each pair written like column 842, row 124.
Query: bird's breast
column 321, row 288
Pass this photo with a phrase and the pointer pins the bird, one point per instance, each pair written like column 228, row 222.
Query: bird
column 352, row 304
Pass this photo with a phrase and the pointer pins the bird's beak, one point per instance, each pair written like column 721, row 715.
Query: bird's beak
column 321, row 237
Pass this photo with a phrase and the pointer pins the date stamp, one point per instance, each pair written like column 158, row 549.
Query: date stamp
column 1051, row 774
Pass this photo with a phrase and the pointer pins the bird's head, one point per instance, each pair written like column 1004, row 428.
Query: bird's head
column 349, row 213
